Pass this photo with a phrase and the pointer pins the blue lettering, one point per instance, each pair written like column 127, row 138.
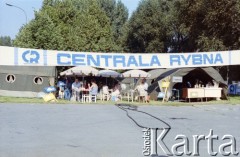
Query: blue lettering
column 155, row 60
column 31, row 56
column 197, row 59
column 106, row 57
column 90, row 60
column 218, row 59
column 60, row 56
column 78, row 59
column 208, row 59
column 175, row 59
column 141, row 64
column 132, row 60
column 119, row 60
column 186, row 60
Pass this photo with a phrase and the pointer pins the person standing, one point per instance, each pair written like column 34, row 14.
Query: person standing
column 76, row 88
column 145, row 87
column 68, row 90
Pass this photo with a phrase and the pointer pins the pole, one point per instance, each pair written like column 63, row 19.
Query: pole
column 10, row 5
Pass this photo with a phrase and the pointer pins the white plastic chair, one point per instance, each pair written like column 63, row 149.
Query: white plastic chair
column 93, row 98
column 85, row 98
column 105, row 93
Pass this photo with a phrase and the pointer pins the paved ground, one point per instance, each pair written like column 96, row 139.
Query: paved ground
column 31, row 130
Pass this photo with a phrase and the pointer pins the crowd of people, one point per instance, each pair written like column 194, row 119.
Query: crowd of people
column 81, row 88
column 76, row 90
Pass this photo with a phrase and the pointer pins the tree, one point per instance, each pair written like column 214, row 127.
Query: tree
column 184, row 26
column 74, row 25
column 109, row 7
column 147, row 27
column 119, row 22
column 210, row 24
column 5, row 41
column 41, row 33
column 117, row 12
column 176, row 31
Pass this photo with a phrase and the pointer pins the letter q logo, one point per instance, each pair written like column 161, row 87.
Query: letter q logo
column 31, row 57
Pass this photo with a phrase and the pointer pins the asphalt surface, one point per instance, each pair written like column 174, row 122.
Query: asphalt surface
column 34, row 130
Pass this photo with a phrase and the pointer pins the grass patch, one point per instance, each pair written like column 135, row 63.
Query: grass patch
column 4, row 99
column 233, row 100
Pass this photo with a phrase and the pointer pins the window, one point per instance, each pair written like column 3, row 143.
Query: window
column 10, row 78
column 38, row 80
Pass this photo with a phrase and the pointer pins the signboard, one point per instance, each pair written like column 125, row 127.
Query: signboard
column 165, row 84
column 33, row 57
column 177, row 79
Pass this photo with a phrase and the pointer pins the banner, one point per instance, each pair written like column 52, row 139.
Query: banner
column 33, row 57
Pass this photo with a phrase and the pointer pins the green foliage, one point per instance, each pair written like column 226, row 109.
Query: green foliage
column 5, row 41
column 210, row 24
column 117, row 12
column 210, row 44
column 184, row 26
column 156, row 26
column 147, row 27
column 120, row 19
column 75, row 25
column 109, row 8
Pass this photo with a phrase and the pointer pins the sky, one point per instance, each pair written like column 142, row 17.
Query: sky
column 12, row 18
